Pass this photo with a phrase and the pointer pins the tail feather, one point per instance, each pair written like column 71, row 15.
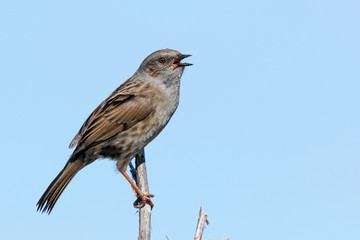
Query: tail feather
column 58, row 185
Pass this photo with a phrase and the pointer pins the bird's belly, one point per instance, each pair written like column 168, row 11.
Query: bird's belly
column 130, row 141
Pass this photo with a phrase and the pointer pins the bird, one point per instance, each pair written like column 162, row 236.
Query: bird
column 124, row 123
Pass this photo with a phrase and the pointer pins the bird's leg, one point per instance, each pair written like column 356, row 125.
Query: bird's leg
column 142, row 197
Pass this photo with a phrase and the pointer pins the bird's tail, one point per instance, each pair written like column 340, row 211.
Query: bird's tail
column 58, row 185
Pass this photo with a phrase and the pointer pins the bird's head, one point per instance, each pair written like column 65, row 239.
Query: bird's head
column 164, row 63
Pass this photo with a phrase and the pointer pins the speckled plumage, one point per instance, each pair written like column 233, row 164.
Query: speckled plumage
column 132, row 116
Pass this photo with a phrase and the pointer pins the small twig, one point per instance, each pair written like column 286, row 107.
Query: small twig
column 201, row 225
column 140, row 177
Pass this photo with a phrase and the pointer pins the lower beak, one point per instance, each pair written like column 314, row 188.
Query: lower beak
column 177, row 62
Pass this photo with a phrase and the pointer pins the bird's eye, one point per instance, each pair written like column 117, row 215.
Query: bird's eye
column 162, row 60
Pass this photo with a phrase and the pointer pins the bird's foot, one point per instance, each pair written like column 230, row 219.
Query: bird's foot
column 143, row 199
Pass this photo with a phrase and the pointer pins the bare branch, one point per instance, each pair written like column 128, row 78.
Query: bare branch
column 142, row 183
column 140, row 176
column 201, row 225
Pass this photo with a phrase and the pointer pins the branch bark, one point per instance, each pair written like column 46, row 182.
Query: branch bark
column 201, row 225
column 140, row 176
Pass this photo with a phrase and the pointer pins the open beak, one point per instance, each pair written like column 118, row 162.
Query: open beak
column 177, row 62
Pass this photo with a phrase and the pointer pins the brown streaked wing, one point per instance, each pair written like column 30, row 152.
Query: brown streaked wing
column 121, row 114
column 78, row 136
column 120, row 94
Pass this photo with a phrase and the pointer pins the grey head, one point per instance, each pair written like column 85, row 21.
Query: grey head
column 165, row 63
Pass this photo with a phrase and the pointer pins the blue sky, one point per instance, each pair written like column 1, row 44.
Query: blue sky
column 266, row 136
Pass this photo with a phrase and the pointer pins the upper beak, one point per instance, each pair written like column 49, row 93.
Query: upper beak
column 177, row 62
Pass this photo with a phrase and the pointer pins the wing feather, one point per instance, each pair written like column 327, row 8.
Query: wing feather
column 120, row 111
